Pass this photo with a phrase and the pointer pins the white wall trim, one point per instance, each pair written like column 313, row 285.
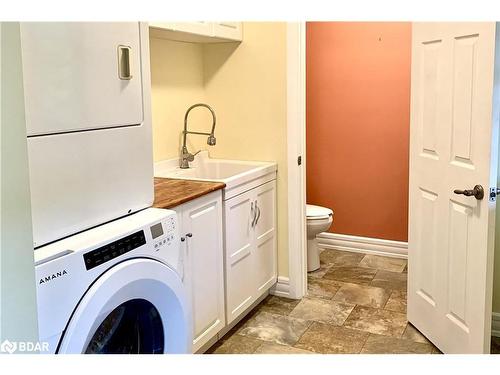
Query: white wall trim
column 367, row 245
column 296, row 128
column 495, row 324
column 282, row 287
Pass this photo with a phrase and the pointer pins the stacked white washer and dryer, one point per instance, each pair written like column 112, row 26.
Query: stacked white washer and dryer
column 109, row 268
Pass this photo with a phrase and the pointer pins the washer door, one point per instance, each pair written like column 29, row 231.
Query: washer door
column 138, row 306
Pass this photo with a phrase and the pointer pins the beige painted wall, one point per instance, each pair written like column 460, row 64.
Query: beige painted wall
column 246, row 85
column 176, row 83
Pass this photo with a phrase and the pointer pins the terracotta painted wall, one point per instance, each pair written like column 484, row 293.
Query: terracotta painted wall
column 358, row 120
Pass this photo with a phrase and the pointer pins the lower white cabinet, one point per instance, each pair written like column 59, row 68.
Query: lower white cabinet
column 250, row 247
column 225, row 280
column 201, row 240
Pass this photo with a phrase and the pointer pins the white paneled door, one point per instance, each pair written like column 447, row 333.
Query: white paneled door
column 453, row 148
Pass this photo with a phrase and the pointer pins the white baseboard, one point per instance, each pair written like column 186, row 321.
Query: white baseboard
column 282, row 287
column 367, row 245
column 495, row 324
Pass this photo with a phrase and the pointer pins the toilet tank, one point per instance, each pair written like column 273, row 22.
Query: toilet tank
column 88, row 119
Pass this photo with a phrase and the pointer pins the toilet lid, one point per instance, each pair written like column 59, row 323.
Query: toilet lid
column 317, row 212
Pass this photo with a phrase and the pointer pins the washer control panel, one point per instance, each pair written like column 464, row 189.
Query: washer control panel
column 163, row 233
column 114, row 249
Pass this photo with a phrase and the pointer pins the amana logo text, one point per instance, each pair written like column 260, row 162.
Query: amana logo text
column 46, row 279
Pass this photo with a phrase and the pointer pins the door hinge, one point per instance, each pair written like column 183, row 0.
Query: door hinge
column 493, row 194
column 299, row 160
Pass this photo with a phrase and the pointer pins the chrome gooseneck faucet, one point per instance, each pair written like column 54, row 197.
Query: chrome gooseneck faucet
column 186, row 156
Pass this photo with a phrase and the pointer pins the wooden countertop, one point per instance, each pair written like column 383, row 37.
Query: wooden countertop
column 170, row 192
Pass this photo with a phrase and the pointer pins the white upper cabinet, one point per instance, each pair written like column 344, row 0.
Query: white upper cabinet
column 198, row 32
column 229, row 30
column 200, row 28
column 81, row 75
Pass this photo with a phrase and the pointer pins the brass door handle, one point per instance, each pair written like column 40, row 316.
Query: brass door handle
column 477, row 192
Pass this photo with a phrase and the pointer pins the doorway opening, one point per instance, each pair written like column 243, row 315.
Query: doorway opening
column 341, row 114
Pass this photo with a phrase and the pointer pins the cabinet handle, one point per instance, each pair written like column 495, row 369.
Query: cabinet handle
column 252, row 213
column 189, row 235
column 124, row 68
column 258, row 213
column 183, row 239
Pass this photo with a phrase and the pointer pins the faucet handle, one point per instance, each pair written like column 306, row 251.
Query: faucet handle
column 189, row 156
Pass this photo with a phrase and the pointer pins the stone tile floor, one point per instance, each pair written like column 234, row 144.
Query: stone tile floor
column 495, row 345
column 356, row 303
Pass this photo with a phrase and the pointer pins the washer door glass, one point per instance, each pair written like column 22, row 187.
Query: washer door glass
column 134, row 327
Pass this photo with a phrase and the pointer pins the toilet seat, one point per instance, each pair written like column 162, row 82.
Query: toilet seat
column 317, row 212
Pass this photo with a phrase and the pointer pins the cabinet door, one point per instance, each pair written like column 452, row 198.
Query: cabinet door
column 202, row 228
column 81, row 75
column 240, row 287
column 229, row 30
column 264, row 256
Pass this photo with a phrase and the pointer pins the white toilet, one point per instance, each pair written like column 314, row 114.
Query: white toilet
column 319, row 219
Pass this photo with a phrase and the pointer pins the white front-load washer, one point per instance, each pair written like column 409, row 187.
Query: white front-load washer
column 116, row 288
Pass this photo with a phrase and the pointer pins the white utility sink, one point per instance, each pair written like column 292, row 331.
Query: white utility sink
column 238, row 175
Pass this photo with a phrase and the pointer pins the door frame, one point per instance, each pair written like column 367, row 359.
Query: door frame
column 296, row 147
